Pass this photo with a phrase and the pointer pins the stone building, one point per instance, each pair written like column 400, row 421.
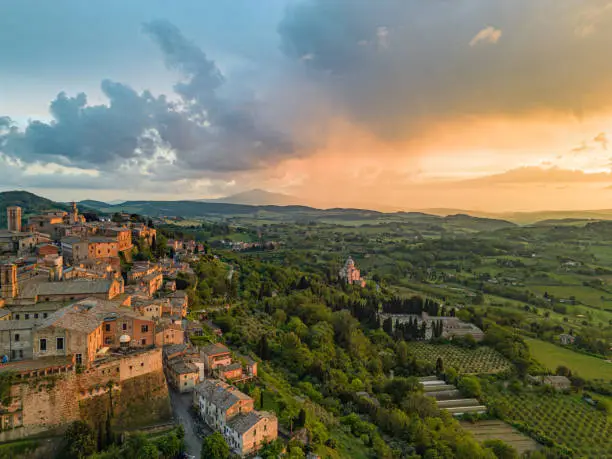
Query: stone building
column 215, row 355
column 231, row 412
column 122, row 235
column 350, row 274
column 85, row 328
column 16, row 340
column 13, row 218
column 168, row 333
column 182, row 375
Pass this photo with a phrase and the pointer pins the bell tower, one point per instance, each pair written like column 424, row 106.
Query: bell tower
column 13, row 217
column 8, row 281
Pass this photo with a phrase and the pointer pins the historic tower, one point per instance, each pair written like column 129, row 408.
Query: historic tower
column 13, row 216
column 74, row 216
column 8, row 280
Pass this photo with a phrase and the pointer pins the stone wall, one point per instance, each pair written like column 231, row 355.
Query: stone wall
column 139, row 396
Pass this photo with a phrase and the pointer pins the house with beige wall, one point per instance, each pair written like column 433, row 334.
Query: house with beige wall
column 227, row 410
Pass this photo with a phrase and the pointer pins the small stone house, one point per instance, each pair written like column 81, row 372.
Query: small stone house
column 566, row 339
column 560, row 383
column 182, row 375
column 215, row 355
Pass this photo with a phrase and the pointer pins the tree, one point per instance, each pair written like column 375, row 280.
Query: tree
column 80, row 440
column 439, row 366
column 215, row 447
column 563, row 371
column 138, row 446
column 301, row 420
column 256, row 396
column 470, row 386
column 501, row 449
column 604, row 405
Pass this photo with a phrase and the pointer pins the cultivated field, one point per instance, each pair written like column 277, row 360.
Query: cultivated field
column 482, row 360
column 499, row 430
column 551, row 356
column 565, row 419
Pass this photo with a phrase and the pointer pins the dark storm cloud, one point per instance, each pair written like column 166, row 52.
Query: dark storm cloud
column 204, row 131
column 394, row 65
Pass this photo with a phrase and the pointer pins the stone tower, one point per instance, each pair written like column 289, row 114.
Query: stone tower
column 13, row 216
column 74, row 216
column 8, row 280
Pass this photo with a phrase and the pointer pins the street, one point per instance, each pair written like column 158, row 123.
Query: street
column 195, row 430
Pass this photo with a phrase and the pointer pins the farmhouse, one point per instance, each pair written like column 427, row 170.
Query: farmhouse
column 558, row 382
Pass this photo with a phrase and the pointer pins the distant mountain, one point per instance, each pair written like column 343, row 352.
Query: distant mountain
column 258, row 197
column 93, row 204
column 29, row 203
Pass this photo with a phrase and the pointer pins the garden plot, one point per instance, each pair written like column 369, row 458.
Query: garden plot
column 499, row 430
column 482, row 360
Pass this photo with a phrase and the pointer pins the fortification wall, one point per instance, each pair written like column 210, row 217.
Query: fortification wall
column 139, row 396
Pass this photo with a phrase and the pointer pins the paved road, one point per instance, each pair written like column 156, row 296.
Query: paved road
column 181, row 404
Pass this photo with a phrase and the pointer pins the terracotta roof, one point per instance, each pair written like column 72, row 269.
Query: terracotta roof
column 220, row 394
column 174, row 348
column 230, row 367
column 215, row 349
column 86, row 315
column 245, row 422
column 181, row 367
column 72, row 318
column 73, row 287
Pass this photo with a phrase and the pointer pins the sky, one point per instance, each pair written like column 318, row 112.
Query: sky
column 484, row 105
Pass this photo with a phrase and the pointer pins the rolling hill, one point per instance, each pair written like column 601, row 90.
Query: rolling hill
column 29, row 202
column 257, row 197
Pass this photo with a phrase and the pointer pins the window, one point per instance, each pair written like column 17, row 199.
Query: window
column 27, row 317
column 60, row 344
column 36, row 315
column 43, row 344
column 13, row 354
column 108, row 340
column 16, row 336
column 45, row 315
column 125, row 326
column 16, row 316
column 144, row 342
column 79, row 359
column 107, row 327
column 144, row 328
column 21, row 353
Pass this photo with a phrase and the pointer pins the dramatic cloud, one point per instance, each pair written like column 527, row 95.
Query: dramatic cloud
column 489, row 35
column 427, row 73
column 200, row 132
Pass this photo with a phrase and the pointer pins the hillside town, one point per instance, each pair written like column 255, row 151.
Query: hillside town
column 76, row 306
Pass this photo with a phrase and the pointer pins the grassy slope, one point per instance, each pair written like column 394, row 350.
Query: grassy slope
column 552, row 356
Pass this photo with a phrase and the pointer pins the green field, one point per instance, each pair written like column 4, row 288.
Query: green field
column 499, row 430
column 551, row 356
column 566, row 419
